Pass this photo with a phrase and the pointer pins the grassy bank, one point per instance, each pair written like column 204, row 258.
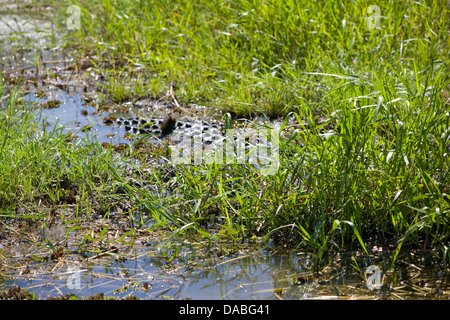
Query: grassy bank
column 251, row 56
column 43, row 168
column 366, row 160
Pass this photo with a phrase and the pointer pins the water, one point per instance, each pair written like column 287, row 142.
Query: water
column 138, row 262
column 74, row 115
column 146, row 273
column 141, row 264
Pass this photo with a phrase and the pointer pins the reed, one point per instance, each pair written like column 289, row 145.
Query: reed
column 367, row 157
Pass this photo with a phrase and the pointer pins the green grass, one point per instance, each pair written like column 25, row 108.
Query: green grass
column 381, row 176
column 251, row 56
column 381, row 171
column 43, row 167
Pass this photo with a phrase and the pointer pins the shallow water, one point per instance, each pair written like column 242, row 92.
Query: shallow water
column 144, row 269
column 74, row 114
column 142, row 266
column 255, row 274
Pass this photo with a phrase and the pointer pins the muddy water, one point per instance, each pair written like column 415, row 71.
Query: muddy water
column 84, row 120
column 146, row 273
column 144, row 268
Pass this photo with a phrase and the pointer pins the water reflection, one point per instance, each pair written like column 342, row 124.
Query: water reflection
column 252, row 276
column 148, row 274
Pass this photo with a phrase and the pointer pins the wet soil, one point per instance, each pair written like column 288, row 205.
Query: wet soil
column 112, row 255
column 110, row 258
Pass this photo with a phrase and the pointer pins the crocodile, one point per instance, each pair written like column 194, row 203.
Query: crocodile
column 207, row 131
column 209, row 138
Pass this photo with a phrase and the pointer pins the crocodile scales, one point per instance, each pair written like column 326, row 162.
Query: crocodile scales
column 201, row 135
column 207, row 131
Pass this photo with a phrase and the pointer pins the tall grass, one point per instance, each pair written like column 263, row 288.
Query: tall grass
column 380, row 175
column 376, row 168
column 251, row 56
column 43, row 167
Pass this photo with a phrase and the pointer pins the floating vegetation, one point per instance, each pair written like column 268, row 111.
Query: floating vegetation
column 362, row 165
column 51, row 104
